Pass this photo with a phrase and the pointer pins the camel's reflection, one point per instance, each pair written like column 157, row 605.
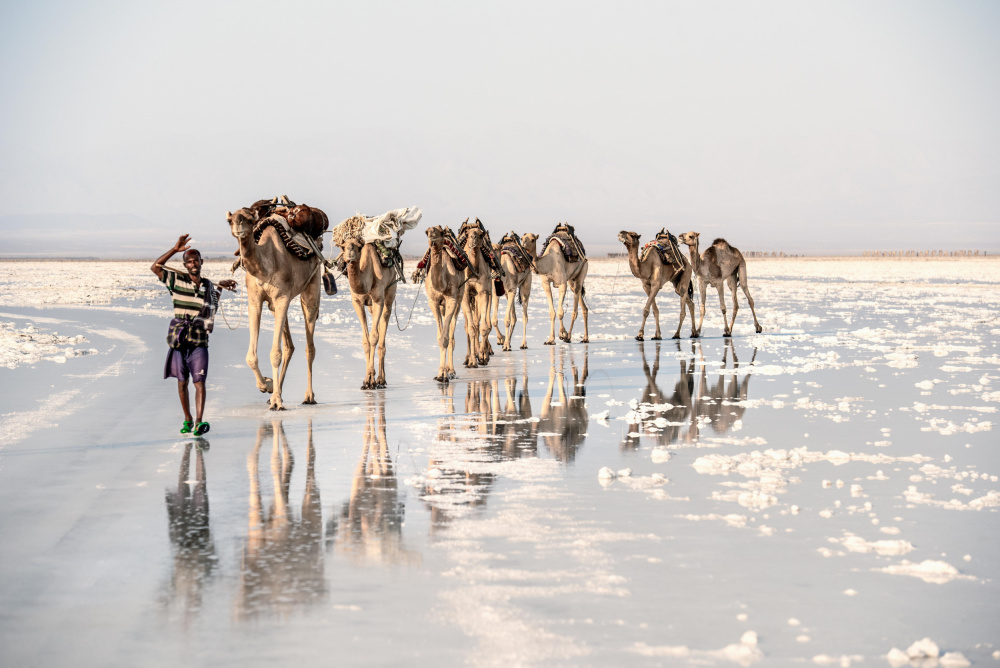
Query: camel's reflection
column 371, row 521
column 190, row 536
column 564, row 421
column 499, row 424
column 282, row 562
column 678, row 417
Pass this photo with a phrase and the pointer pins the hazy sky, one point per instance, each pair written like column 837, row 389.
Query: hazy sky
column 797, row 126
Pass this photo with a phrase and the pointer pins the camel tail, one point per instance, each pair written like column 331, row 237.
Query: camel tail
column 518, row 295
column 690, row 289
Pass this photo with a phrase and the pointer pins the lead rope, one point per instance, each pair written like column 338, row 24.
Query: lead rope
column 395, row 311
column 244, row 302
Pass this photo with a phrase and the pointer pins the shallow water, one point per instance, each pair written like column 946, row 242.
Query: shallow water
column 822, row 492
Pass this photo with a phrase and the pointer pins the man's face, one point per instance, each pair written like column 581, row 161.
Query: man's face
column 192, row 262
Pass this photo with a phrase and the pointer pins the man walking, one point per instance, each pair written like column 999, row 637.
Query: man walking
column 195, row 301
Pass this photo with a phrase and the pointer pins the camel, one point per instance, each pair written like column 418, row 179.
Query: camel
column 476, row 300
column 445, row 291
column 654, row 274
column 374, row 286
column 718, row 265
column 553, row 268
column 275, row 275
column 516, row 277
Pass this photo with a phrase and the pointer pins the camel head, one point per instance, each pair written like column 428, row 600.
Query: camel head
column 630, row 239
column 474, row 238
column 435, row 236
column 689, row 238
column 529, row 240
column 352, row 250
column 241, row 222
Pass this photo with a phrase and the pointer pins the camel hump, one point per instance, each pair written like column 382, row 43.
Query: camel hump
column 721, row 243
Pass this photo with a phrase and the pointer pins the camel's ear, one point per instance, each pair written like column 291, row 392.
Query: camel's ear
column 427, row 231
column 465, row 221
column 229, row 214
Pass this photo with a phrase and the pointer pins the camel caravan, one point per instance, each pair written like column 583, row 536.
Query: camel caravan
column 464, row 273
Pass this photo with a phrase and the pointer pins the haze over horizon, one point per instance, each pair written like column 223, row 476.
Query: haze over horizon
column 782, row 126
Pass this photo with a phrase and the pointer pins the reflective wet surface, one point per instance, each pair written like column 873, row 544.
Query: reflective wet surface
column 822, row 492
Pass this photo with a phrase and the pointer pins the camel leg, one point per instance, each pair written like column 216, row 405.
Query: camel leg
column 547, row 286
column 721, row 287
column 447, row 340
column 255, row 306
column 470, row 305
column 586, row 314
column 495, row 319
column 736, row 303
column 485, row 349
column 310, row 312
column 451, row 341
column 288, row 348
column 684, row 304
column 746, row 291
column 510, row 319
column 359, row 308
column 383, row 331
column 650, row 297
column 277, row 370
column 442, row 328
column 682, row 290
column 702, row 291
column 378, row 309
column 525, row 296
column 656, row 313
column 563, row 334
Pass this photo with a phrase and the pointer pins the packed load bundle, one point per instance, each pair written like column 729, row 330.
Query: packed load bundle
column 569, row 243
column 665, row 244
column 385, row 230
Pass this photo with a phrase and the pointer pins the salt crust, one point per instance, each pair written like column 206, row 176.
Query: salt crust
column 930, row 571
column 744, row 653
column 29, row 345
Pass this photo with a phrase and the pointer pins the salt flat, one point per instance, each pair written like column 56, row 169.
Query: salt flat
column 820, row 493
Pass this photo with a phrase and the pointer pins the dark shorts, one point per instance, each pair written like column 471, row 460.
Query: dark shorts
column 191, row 362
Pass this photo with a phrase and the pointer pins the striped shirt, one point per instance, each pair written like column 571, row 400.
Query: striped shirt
column 189, row 301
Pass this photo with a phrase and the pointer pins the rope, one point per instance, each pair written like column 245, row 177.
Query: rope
column 244, row 303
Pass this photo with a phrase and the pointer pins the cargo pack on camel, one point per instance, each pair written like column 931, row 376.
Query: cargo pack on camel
column 565, row 235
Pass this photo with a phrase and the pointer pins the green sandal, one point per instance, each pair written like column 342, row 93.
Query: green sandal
column 202, row 428
column 186, row 427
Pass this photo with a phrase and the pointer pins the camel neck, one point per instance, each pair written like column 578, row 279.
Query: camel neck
column 633, row 259
column 251, row 260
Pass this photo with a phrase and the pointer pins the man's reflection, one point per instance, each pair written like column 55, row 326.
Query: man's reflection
column 564, row 421
column 282, row 565
column 371, row 522
column 190, row 535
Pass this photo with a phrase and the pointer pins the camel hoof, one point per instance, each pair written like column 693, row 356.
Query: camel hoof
column 694, row 335
column 277, row 408
column 585, row 339
column 639, row 338
column 759, row 329
column 727, row 335
column 309, row 402
column 677, row 336
column 656, row 338
column 524, row 346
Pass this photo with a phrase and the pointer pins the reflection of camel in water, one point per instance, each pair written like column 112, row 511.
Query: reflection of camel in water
column 282, row 565
column 728, row 389
column 371, row 521
column 563, row 426
column 452, row 485
column 190, row 536
column 689, row 407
